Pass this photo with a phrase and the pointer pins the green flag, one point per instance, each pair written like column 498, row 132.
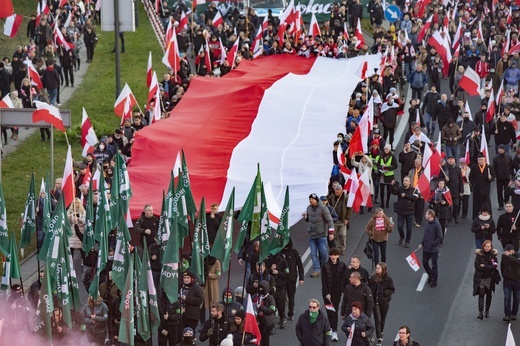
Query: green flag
column 265, row 228
column 58, row 224
column 126, row 327
column 43, row 318
column 153, row 304
column 120, row 191
column 141, row 297
column 282, row 236
column 11, row 264
column 186, row 187
column 241, row 237
column 170, row 265
column 221, row 249
column 252, row 206
column 29, row 217
column 4, row 241
column 148, row 318
column 101, row 230
column 47, row 206
column 88, row 235
column 163, row 229
column 197, row 255
column 122, row 255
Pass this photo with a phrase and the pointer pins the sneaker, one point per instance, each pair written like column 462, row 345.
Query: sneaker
column 315, row 274
column 334, row 336
column 401, row 241
column 433, row 284
column 291, row 318
column 417, row 225
column 513, row 318
column 282, row 323
column 407, row 245
column 506, row 318
column 430, row 280
column 380, row 341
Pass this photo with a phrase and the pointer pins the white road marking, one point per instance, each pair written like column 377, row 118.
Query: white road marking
column 424, row 278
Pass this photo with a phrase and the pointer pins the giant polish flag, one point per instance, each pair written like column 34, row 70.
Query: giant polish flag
column 280, row 124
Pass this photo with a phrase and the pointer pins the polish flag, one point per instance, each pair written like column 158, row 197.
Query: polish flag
column 232, row 54
column 341, row 156
column 345, row 31
column 154, row 86
column 353, row 191
column 127, row 110
column 6, row 9
column 223, row 55
column 183, row 22
column 62, row 3
column 467, row 156
column 483, row 144
column 68, row 189
column 470, row 82
column 87, row 178
column 491, row 108
column 314, row 28
column 458, row 35
column 299, row 26
column 119, row 105
column 33, row 75
column 427, row 155
column 50, row 114
column 68, row 20
column 505, row 48
column 12, row 24
column 95, row 179
column 88, row 135
column 240, row 150
column 423, row 185
column 171, row 57
column 149, row 71
column 364, row 188
column 480, row 33
column 195, row 3
column 359, row 141
column 500, row 93
column 250, row 324
column 6, row 102
column 510, row 339
column 42, row 8
column 168, row 34
column 443, row 48
column 413, row 261
column 509, row 18
column 513, row 49
column 359, row 35
column 425, row 28
column 218, row 20
column 467, row 109
column 59, row 39
column 364, row 69
column 207, row 58
column 157, row 107
column 457, row 52
column 257, row 47
column 421, row 7
column 447, row 195
column 417, row 118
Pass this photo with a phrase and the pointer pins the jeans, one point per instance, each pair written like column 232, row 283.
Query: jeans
column 319, row 248
column 401, row 219
column 379, row 247
column 429, row 122
column 431, row 271
column 453, row 151
column 53, row 95
column 511, row 288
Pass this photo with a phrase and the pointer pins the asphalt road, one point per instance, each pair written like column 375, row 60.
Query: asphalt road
column 444, row 315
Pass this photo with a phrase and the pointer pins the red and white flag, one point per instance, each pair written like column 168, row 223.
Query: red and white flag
column 62, row 3
column 286, row 19
column 149, row 71
column 87, row 178
column 95, row 179
column 60, row 40
column 157, row 107
column 467, row 109
column 364, row 70
column 423, row 185
column 152, row 91
column 483, row 144
column 345, row 31
column 12, row 24
column 458, row 35
column 6, row 9
column 505, row 48
column 168, row 34
column 509, row 18
column 88, row 135
column 424, row 29
column 417, row 118
column 218, row 20
column 33, row 74
column 67, row 188
column 442, row 46
column 467, row 156
column 50, row 114
column 470, row 82
column 359, row 34
column 171, row 57
column 500, row 92
column 223, row 54
column 41, row 9
column 365, row 188
column 353, row 191
column 6, row 102
column 183, row 22
column 195, row 3
column 125, row 97
column 447, row 196
column 491, row 108
column 413, row 261
column 232, row 54
column 359, row 141
column 314, row 28
column 250, row 324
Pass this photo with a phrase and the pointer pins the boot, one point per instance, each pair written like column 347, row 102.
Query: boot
column 488, row 304
column 480, row 307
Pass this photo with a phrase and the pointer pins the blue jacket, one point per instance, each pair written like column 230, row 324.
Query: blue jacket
column 511, row 75
column 432, row 236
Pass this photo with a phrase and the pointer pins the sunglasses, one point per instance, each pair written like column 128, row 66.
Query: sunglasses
column 313, row 307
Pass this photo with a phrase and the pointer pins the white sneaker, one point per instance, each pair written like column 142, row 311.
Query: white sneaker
column 334, row 336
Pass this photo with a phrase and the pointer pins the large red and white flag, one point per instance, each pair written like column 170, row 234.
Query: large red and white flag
column 483, row 144
column 250, row 324
column 423, row 185
column 154, row 86
column 6, row 9
column 500, row 92
column 255, row 120
column 6, row 102
column 183, row 22
column 458, row 35
column 125, row 97
column 470, row 82
column 67, row 188
column 413, row 261
column 50, row 114
column 467, row 156
column 365, row 188
column 443, row 48
column 60, row 40
column 491, row 108
column 314, row 28
column 171, row 57
column 149, row 71
column 88, row 135
column 33, row 74
column 218, row 20
column 353, row 191
column 12, row 24
column 359, row 35
column 424, row 29
column 232, row 54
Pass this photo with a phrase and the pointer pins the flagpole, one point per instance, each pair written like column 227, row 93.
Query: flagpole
column 516, row 218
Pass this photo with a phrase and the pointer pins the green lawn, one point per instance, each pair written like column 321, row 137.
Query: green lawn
column 96, row 95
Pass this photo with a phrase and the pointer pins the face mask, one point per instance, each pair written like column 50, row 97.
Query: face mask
column 340, row 139
column 101, row 147
column 228, row 300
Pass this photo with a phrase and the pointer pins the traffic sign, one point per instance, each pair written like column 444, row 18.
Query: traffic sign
column 392, row 13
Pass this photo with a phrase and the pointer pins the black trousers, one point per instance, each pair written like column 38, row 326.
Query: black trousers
column 335, row 299
column 279, row 299
column 389, row 132
column 380, row 312
column 432, row 270
column 69, row 75
column 172, row 338
column 455, row 207
column 419, row 210
column 290, row 288
column 503, row 192
column 465, row 205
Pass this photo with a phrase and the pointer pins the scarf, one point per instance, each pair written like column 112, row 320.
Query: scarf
column 313, row 315
column 484, row 218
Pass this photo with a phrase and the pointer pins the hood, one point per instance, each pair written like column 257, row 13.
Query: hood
column 50, row 68
column 264, row 285
column 230, row 290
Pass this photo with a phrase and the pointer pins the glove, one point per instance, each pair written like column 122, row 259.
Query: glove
column 210, row 331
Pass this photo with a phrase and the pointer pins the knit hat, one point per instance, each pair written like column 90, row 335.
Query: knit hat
column 485, row 209
column 323, row 198
column 240, row 291
column 228, row 341
column 502, row 146
column 241, row 314
column 358, row 305
column 509, row 247
column 188, row 331
column 314, row 196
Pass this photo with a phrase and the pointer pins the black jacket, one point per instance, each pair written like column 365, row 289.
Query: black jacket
column 480, row 183
column 313, row 334
column 294, row 262
column 455, row 182
column 490, row 263
column 382, row 290
column 362, row 294
column 480, row 233
column 406, row 204
column 504, row 226
column 510, row 267
column 502, row 166
column 215, row 330
column 432, row 237
column 442, row 113
column 331, row 275
column 506, row 132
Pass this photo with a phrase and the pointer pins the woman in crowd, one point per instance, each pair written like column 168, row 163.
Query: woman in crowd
column 95, row 313
column 485, row 277
column 378, row 228
column 382, row 287
column 358, row 327
column 483, row 226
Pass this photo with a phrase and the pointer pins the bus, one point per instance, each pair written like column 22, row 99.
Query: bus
column 262, row 6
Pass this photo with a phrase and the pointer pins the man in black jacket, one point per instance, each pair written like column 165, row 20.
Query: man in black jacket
column 357, row 291
column 294, row 262
column 508, row 227
column 510, row 268
column 442, row 111
column 432, row 239
column 331, row 273
column 453, row 178
column 313, row 327
column 504, row 132
column 502, row 168
column 217, row 327
column 147, row 225
column 480, row 178
column 406, row 198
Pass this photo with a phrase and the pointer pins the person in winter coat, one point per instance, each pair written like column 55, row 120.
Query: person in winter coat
column 510, row 269
column 430, row 101
column 296, row 274
column 406, row 159
column 51, row 81
column 17, row 310
column 404, row 338
column 442, row 111
column 320, row 226
column 418, row 80
column 217, row 327
column 331, row 290
column 386, row 164
column 378, row 228
column 358, row 327
column 260, row 273
column 504, row 133
column 480, row 178
column 406, row 198
column 432, row 239
column 60, row 330
column 170, row 321
column 359, row 291
column 501, row 165
column 231, row 306
column 264, row 306
column 382, row 287
column 191, row 297
column 485, row 277
column 95, row 313
column 508, row 227
column 388, row 117
column 454, row 182
column 483, row 226
column 279, row 269
column 451, row 136
column 236, row 329
column 147, row 225
column 312, row 328
column 212, row 270
column 441, row 204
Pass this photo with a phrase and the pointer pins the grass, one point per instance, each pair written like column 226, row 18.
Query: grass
column 96, row 94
